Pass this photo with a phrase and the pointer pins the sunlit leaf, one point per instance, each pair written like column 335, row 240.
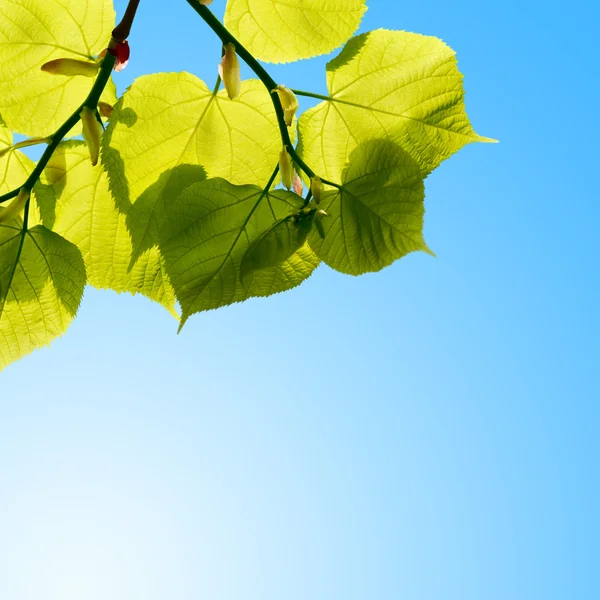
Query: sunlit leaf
column 282, row 31
column 76, row 203
column 275, row 245
column 377, row 215
column 42, row 277
column 390, row 85
column 171, row 119
column 34, row 32
column 15, row 167
column 208, row 228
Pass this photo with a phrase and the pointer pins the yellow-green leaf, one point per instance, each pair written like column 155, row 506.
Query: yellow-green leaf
column 42, row 277
column 377, row 215
column 275, row 245
column 172, row 119
column 280, row 31
column 34, row 32
column 208, row 228
column 392, row 85
column 15, row 167
column 75, row 202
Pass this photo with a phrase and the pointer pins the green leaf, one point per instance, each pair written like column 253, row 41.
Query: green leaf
column 391, row 85
column 280, row 31
column 15, row 167
column 146, row 215
column 377, row 215
column 208, row 228
column 32, row 33
column 172, row 119
column 42, row 277
column 76, row 203
column 274, row 246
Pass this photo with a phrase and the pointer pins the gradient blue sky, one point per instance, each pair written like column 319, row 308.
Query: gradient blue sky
column 429, row 432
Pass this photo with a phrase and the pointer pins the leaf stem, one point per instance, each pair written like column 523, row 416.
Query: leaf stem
column 311, row 95
column 9, row 195
column 335, row 185
column 226, row 37
column 217, row 86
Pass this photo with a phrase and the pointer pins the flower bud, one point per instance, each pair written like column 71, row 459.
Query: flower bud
column 105, row 109
column 297, row 184
column 92, row 132
column 289, row 102
column 206, row 2
column 71, row 67
column 121, row 51
column 286, row 168
column 316, row 187
column 15, row 208
column 229, row 71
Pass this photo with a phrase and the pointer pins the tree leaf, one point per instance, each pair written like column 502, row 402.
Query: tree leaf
column 15, row 167
column 275, row 245
column 377, row 215
column 208, row 228
column 172, row 119
column 280, row 31
column 42, row 277
column 76, row 203
column 32, row 33
column 390, row 85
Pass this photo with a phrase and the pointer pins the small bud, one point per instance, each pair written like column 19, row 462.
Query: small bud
column 297, row 184
column 92, row 133
column 229, row 71
column 15, row 208
column 206, row 2
column 71, row 67
column 121, row 51
column 105, row 109
column 316, row 187
column 286, row 168
column 289, row 102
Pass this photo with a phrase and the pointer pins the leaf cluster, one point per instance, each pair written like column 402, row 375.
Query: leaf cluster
column 186, row 204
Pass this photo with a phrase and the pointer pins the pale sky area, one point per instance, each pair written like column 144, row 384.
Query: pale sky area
column 429, row 432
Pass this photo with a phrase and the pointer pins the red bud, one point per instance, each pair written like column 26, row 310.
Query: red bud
column 121, row 51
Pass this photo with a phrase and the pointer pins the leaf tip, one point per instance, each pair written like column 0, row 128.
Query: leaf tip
column 182, row 322
column 486, row 140
column 429, row 251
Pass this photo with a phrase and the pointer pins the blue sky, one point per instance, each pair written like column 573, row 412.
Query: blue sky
column 427, row 432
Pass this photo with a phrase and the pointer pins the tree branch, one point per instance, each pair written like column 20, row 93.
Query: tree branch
column 121, row 31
